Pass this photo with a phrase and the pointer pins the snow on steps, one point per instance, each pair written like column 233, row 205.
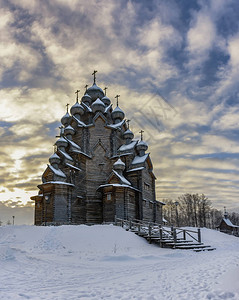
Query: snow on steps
column 154, row 233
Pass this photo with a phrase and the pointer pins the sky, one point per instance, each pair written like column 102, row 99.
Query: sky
column 175, row 64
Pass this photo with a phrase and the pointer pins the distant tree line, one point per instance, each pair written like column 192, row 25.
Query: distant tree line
column 194, row 210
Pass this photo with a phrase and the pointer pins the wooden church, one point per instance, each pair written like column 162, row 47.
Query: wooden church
column 98, row 171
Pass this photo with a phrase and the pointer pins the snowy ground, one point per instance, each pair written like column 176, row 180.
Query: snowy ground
column 106, row 262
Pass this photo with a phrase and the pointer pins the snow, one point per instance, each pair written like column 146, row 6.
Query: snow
column 229, row 223
column 119, row 163
column 107, row 262
column 128, row 147
column 117, row 125
column 87, row 107
column 98, row 102
column 58, row 182
column 73, row 167
column 139, row 159
column 117, row 109
column 121, row 178
column 108, row 108
column 118, row 185
column 80, row 123
column 67, row 156
column 136, row 169
column 73, row 144
column 57, row 172
column 54, row 155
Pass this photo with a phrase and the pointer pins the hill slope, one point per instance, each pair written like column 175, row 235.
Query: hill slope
column 106, row 262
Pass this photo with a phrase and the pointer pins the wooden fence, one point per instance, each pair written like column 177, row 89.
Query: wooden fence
column 157, row 231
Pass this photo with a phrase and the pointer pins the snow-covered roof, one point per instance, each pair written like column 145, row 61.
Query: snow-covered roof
column 119, row 163
column 57, row 182
column 118, row 125
column 128, row 147
column 121, row 178
column 55, row 156
column 139, row 159
column 61, row 139
column 117, row 109
column 94, row 87
column 108, row 108
column 69, row 127
column 136, row 169
column 87, row 107
column 67, row 156
column 73, row 167
column 118, row 185
column 98, row 102
column 57, row 172
column 229, row 223
column 80, row 123
column 73, row 144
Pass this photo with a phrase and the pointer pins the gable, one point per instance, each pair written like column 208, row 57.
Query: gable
column 113, row 179
column 99, row 118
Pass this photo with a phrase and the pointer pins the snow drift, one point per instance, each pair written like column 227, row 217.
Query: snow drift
column 106, row 262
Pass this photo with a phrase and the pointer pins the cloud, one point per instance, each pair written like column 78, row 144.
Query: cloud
column 174, row 64
column 203, row 27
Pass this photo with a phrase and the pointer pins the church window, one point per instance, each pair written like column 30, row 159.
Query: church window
column 108, row 197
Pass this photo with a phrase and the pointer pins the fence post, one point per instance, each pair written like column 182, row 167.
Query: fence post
column 138, row 228
column 161, row 237
column 184, row 234
column 150, row 229
column 172, row 230
column 175, row 236
column 199, row 235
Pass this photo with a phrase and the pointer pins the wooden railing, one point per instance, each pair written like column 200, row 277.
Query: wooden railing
column 155, row 230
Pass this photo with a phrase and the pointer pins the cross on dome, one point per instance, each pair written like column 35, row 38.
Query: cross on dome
column 67, row 106
column 61, row 131
column 94, row 75
column 77, row 92
column 105, row 90
column 86, row 86
column 117, row 97
column 141, row 133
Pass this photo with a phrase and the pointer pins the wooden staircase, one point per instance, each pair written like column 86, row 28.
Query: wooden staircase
column 166, row 237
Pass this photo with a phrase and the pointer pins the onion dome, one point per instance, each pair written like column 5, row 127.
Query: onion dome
column 117, row 114
column 98, row 105
column 77, row 109
column 86, row 99
column 119, row 165
column 141, row 147
column 106, row 101
column 69, row 130
column 54, row 159
column 95, row 92
column 128, row 134
column 61, row 142
column 65, row 119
